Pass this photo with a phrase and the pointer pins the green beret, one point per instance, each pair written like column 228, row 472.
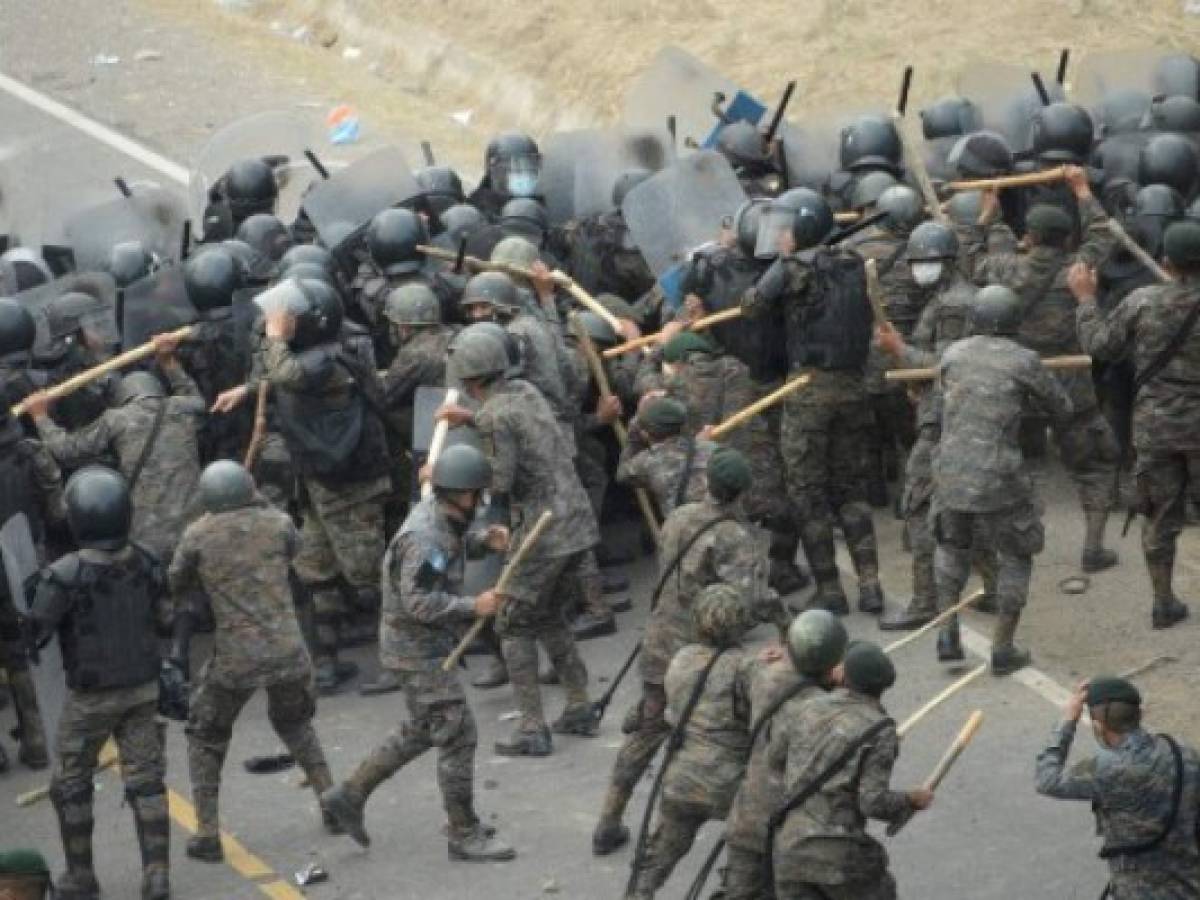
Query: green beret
column 867, row 668
column 728, row 472
column 686, row 342
column 620, row 308
column 664, row 416
column 1181, row 243
column 1110, row 689
column 1049, row 221
column 22, row 862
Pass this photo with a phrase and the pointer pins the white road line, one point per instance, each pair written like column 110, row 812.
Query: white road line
column 94, row 129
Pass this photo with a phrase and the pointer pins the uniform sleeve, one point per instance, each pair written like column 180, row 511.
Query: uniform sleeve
column 183, row 572
column 50, row 603
column 182, row 384
column 1108, row 337
column 282, row 367
column 1098, row 242
column 503, row 450
column 49, row 482
column 76, row 448
column 876, row 799
column 1052, row 778
column 417, row 577
column 919, row 350
column 632, row 468
column 403, row 377
column 1046, row 391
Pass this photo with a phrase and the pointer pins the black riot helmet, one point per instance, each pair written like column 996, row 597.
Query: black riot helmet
column 129, row 261
column 461, row 468
column 526, row 217
column 1063, row 133
column 983, row 154
column 513, row 164
column 904, row 208
column 1177, row 114
column 78, row 311
column 309, row 270
column 249, row 263
column 250, row 188
column 869, row 187
column 21, row 269
column 802, row 212
column 462, row 220
column 871, row 142
column 305, row 254
column 742, row 144
column 626, row 182
column 211, row 278
column 1155, row 207
column 1169, row 159
column 931, row 242
column 392, row 239
column 995, row 309
column 950, row 117
column 746, row 222
column 17, row 328
column 225, row 485
column 440, row 186
column 266, row 235
column 98, row 508
column 136, row 385
column 1123, row 110
column 1177, row 75
column 965, row 207
column 321, row 319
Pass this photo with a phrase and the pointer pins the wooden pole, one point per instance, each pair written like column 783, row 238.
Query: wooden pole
column 875, row 294
column 259, row 434
column 83, row 379
column 964, row 737
column 915, row 163
column 1030, row 179
column 1135, row 249
column 600, row 376
column 506, row 576
column 937, row 622
column 742, row 416
column 1050, row 362
column 702, row 324
column 911, row 722
column 440, row 430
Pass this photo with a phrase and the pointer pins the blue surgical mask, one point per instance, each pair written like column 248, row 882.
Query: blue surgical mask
column 522, row 184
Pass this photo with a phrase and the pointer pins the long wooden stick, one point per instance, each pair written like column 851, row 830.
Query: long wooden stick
column 1050, row 362
column 83, row 379
column 600, row 376
column 742, row 416
column 1030, row 179
column 1135, row 249
column 514, row 563
column 942, row 696
column 875, row 293
column 561, row 279
column 438, row 441
column 937, row 622
column 259, row 434
column 914, row 162
column 965, row 735
column 701, row 324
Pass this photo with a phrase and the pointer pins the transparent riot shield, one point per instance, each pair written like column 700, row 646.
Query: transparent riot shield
column 681, row 208
column 613, row 152
column 152, row 216
column 1007, row 99
column 680, row 85
column 93, row 308
column 353, row 195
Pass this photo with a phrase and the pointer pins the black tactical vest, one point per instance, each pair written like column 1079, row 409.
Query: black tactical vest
column 831, row 327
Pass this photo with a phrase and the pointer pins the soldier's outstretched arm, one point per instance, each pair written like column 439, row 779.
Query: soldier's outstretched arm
column 876, row 799
column 1110, row 337
column 75, row 448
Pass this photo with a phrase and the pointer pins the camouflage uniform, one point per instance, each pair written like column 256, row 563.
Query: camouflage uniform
column 746, row 827
column 164, row 496
column 424, row 612
column 1130, row 788
column 1166, row 436
column 91, row 715
column 822, row 849
column 240, row 559
column 982, row 488
column 659, row 468
column 703, row 774
column 603, row 259
column 1085, row 441
column 532, row 470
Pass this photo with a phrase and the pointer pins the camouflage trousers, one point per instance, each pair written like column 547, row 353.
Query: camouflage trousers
column 215, row 708
column 89, row 719
column 678, row 824
column 881, row 889
column 1016, row 534
column 1164, row 485
column 1090, row 453
column 824, row 449
column 893, row 430
column 645, row 730
column 533, row 614
column 438, row 716
column 766, row 500
column 1155, row 883
column 591, row 465
column 744, row 875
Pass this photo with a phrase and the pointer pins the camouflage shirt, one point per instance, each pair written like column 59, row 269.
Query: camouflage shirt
column 659, row 468
column 824, row 840
column 164, row 495
column 987, row 383
column 708, row 766
column 1166, row 412
column 240, row 559
column 420, row 362
column 1130, row 789
column 713, row 388
column 532, row 468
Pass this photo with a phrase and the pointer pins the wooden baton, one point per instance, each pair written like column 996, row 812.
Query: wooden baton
column 83, row 379
column 701, row 324
column 259, row 434
column 875, row 294
column 1137, row 252
column 1050, row 362
column 1002, row 182
column 911, row 722
column 915, row 163
column 506, row 576
column 742, row 416
column 440, row 430
column 953, row 752
column 937, row 622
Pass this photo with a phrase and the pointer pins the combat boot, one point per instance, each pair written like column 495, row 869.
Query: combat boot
column 478, row 845
column 73, row 807
column 1168, row 610
column 345, row 806
column 32, row 752
column 386, row 682
column 578, row 720
column 1006, row 656
column 830, row 596
column 610, row 834
column 949, row 643
column 922, row 608
column 526, row 743
column 76, row 885
column 494, row 674
column 205, row 844
column 870, row 597
column 3, row 760
column 156, row 883
column 332, row 673
column 588, row 625
column 1095, row 558
column 787, row 577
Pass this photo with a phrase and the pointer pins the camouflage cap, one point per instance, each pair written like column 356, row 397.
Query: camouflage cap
column 663, row 416
column 1111, row 689
column 728, row 472
column 515, row 251
column 868, row 669
column 720, row 615
column 684, row 343
column 1045, row 220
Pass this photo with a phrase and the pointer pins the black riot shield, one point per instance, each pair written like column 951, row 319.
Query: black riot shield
column 347, row 201
column 152, row 216
column 157, row 303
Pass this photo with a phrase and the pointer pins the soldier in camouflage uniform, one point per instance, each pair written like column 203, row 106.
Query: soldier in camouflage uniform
column 702, row 543
column 108, row 604
column 1166, row 411
column 1144, row 790
column 822, row 850
column 423, row 614
column 600, row 254
column 1086, row 442
column 703, row 772
column 983, row 493
column 154, row 438
column 532, row 473
column 238, row 554
column 662, row 458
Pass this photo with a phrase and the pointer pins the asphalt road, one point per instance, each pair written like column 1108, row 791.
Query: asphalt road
column 988, row 835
